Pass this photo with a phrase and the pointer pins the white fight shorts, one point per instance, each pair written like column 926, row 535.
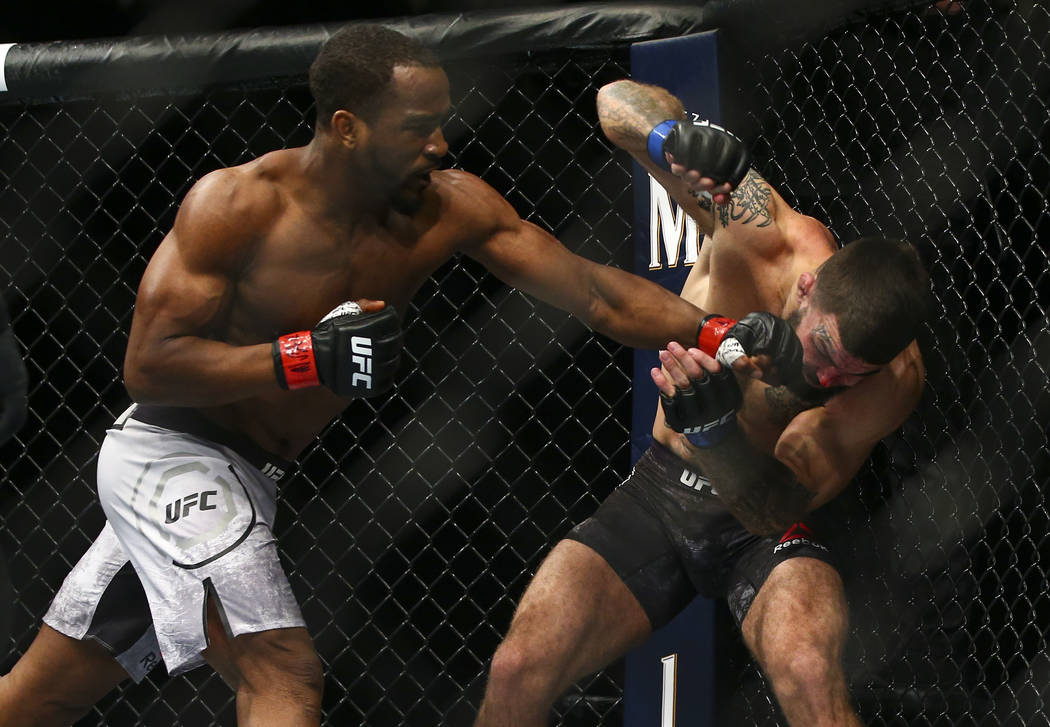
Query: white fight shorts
column 191, row 506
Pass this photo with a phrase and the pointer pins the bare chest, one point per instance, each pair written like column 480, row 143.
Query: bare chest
column 304, row 269
column 733, row 283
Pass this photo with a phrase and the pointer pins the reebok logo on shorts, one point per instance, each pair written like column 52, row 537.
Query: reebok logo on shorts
column 797, row 534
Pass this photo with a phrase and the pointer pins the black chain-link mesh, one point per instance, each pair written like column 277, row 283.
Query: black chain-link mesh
column 414, row 523
column 933, row 127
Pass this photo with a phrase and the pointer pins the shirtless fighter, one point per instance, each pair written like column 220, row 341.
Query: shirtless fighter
column 760, row 456
column 273, row 300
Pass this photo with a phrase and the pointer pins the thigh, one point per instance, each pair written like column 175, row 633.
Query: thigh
column 194, row 518
column 801, row 604
column 579, row 609
column 102, row 603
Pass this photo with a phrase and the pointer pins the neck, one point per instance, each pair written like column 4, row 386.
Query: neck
column 339, row 187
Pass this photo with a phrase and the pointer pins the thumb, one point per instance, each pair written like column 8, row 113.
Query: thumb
column 371, row 306
column 746, row 367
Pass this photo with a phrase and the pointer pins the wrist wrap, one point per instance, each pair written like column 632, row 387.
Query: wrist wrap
column 656, row 143
column 294, row 362
column 713, row 328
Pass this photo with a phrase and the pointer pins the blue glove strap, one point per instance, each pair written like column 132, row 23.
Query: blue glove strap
column 712, row 436
column 656, row 143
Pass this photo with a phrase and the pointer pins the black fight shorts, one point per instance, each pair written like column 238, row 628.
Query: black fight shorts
column 669, row 538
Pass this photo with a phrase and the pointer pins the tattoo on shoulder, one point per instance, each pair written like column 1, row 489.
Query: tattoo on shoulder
column 749, row 203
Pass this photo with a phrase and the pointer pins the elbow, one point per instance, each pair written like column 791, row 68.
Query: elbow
column 605, row 101
column 142, row 386
column 612, row 103
column 811, row 467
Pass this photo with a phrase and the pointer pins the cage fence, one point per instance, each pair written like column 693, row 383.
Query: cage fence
column 414, row 522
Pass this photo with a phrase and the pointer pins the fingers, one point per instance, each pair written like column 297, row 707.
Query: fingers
column 370, row 306
column 747, row 366
column 699, row 183
column 662, row 382
column 681, row 366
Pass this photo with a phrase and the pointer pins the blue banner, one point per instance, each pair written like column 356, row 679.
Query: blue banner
column 670, row 678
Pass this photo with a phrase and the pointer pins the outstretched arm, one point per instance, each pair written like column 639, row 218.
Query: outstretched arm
column 623, row 306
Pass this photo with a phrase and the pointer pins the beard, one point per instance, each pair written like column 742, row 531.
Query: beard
column 811, row 394
column 405, row 202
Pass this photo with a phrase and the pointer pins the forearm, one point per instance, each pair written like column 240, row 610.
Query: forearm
column 637, row 312
column 766, row 411
column 191, row 371
column 628, row 111
column 759, row 490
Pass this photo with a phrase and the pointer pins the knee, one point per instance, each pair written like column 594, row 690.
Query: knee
column 278, row 664
column 516, row 664
column 802, row 671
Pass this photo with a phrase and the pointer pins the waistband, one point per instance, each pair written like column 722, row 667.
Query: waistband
column 191, row 421
column 669, row 467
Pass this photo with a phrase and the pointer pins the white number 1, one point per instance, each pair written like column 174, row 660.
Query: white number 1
column 668, row 689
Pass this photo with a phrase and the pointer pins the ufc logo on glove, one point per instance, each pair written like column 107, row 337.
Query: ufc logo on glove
column 361, row 356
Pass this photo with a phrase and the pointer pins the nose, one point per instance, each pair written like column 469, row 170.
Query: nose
column 436, row 147
column 828, row 376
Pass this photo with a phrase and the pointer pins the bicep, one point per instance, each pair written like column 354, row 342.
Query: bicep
column 826, row 446
column 180, row 295
column 532, row 260
column 188, row 282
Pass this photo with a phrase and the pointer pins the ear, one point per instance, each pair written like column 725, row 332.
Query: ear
column 347, row 128
column 805, row 284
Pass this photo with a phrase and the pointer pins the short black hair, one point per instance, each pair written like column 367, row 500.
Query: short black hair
column 878, row 290
column 355, row 65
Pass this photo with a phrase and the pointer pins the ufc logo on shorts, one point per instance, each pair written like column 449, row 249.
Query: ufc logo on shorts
column 182, row 506
column 361, row 357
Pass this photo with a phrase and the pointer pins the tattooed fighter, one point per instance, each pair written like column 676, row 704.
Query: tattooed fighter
column 759, row 457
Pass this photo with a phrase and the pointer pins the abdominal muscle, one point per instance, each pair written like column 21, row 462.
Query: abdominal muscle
column 283, row 423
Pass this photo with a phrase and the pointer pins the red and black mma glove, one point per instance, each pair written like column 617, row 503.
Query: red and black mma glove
column 705, row 411
column 756, row 333
column 701, row 146
column 351, row 352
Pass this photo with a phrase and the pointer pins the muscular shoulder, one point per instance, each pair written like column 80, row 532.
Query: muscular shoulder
column 759, row 220
column 473, row 208
column 227, row 212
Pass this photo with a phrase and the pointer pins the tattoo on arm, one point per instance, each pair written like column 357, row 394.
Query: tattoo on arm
column 630, row 110
column 703, row 201
column 760, row 491
column 749, row 202
column 784, row 405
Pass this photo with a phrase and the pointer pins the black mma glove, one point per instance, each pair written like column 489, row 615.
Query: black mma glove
column 706, row 411
column 701, row 146
column 13, row 380
column 756, row 333
column 351, row 352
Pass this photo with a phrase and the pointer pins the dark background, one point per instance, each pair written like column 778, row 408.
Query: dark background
column 68, row 20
